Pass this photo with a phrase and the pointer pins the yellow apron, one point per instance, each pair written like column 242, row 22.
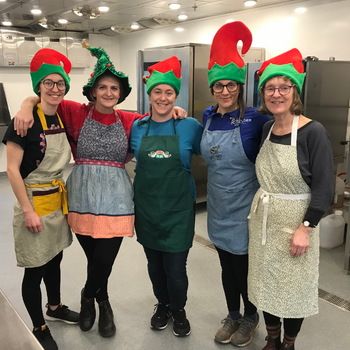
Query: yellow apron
column 47, row 193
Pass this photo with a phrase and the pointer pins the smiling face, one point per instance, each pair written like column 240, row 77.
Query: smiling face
column 227, row 101
column 51, row 97
column 277, row 104
column 162, row 98
column 106, row 92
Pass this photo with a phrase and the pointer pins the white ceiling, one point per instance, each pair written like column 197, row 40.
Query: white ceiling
column 122, row 13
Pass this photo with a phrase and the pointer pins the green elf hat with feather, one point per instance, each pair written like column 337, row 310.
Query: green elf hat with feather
column 164, row 72
column 104, row 64
column 225, row 62
column 48, row 61
column 287, row 64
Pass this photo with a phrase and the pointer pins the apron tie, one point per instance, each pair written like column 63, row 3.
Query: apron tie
column 61, row 188
column 265, row 197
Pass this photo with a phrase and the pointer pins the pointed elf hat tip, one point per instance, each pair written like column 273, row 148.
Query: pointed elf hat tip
column 104, row 64
column 287, row 64
column 48, row 61
column 225, row 61
column 164, row 72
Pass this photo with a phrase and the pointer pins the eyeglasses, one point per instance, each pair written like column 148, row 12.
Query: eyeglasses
column 283, row 90
column 49, row 84
column 231, row 87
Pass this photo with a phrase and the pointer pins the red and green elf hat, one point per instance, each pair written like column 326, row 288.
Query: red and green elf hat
column 164, row 72
column 105, row 64
column 48, row 61
column 225, row 61
column 287, row 64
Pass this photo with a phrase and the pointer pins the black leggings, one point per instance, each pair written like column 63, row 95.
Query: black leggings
column 31, row 292
column 100, row 254
column 234, row 280
column 291, row 325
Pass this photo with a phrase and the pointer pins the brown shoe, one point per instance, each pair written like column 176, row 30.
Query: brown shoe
column 106, row 325
column 225, row 333
column 273, row 338
column 288, row 343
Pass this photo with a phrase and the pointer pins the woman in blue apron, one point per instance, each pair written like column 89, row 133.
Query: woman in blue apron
column 165, row 193
column 35, row 165
column 229, row 146
column 295, row 172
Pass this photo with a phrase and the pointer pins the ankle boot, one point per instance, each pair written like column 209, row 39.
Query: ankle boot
column 87, row 314
column 288, row 343
column 273, row 338
column 106, row 325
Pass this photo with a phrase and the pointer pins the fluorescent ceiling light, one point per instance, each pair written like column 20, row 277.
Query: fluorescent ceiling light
column 6, row 23
column 300, row 10
column 178, row 29
column 62, row 21
column 174, row 6
column 2, row 0
column 134, row 26
column 250, row 2
column 103, row 8
column 35, row 11
column 182, row 17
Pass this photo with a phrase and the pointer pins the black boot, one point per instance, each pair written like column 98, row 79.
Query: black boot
column 106, row 325
column 87, row 314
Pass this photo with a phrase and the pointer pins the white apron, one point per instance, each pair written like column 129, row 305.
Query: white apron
column 47, row 193
column 278, row 283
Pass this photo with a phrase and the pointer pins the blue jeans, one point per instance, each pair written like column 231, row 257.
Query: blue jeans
column 168, row 275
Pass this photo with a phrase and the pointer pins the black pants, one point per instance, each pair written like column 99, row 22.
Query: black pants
column 234, row 280
column 291, row 325
column 100, row 254
column 31, row 292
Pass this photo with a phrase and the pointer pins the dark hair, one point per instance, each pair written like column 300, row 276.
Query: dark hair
column 240, row 100
column 296, row 108
column 107, row 73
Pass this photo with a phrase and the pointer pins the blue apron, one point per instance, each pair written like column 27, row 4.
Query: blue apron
column 232, row 184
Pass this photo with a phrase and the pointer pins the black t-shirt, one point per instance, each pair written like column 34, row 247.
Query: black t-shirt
column 34, row 144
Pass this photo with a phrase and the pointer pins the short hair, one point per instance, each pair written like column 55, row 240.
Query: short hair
column 296, row 108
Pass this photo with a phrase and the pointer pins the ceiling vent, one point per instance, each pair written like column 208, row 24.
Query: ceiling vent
column 156, row 22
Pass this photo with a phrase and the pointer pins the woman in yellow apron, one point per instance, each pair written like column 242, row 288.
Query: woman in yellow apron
column 35, row 165
column 295, row 172
column 165, row 193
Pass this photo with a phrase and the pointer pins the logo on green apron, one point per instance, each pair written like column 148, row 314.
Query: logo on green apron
column 159, row 154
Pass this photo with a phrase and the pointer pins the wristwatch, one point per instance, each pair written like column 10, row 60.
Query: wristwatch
column 308, row 224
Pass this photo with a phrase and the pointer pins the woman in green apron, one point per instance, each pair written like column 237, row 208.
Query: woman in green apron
column 35, row 165
column 165, row 193
column 295, row 172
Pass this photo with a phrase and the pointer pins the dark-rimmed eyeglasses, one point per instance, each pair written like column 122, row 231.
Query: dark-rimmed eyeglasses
column 231, row 87
column 49, row 84
column 283, row 90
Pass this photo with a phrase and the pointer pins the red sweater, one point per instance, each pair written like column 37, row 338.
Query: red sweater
column 73, row 115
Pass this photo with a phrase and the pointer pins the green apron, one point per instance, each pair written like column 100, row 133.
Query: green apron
column 164, row 218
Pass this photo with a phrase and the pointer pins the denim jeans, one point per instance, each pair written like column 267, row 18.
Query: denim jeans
column 168, row 275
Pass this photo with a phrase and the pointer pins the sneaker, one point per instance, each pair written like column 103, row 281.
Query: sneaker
column 45, row 338
column 182, row 327
column 160, row 316
column 244, row 334
column 62, row 313
column 225, row 333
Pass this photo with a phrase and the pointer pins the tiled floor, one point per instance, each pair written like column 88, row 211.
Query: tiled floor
column 132, row 298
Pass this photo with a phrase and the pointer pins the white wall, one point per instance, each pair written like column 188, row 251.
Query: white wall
column 322, row 31
column 18, row 85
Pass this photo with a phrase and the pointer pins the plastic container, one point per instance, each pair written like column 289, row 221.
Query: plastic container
column 339, row 192
column 332, row 230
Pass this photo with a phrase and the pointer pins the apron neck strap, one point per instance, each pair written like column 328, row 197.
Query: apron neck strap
column 43, row 119
column 149, row 122
column 294, row 131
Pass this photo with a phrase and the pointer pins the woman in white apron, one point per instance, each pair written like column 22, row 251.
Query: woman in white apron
column 295, row 172
column 35, row 165
column 230, row 143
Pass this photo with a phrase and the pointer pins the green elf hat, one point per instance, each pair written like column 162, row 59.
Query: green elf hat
column 48, row 61
column 225, row 61
column 164, row 72
column 104, row 64
column 287, row 64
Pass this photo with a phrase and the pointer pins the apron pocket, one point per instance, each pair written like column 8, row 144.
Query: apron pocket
column 47, row 202
column 283, row 241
